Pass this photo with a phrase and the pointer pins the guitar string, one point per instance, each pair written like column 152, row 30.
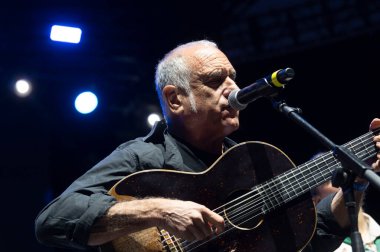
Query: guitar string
column 241, row 212
column 227, row 230
column 322, row 176
column 245, row 220
column 167, row 246
column 318, row 179
column 324, row 161
column 353, row 145
column 301, row 167
column 315, row 161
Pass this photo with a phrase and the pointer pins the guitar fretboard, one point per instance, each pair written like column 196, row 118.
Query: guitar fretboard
column 295, row 182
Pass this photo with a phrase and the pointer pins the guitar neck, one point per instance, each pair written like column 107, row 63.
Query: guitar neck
column 295, row 182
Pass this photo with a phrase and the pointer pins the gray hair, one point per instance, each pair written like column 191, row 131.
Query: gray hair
column 174, row 69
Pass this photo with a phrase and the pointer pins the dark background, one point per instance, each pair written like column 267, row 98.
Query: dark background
column 333, row 46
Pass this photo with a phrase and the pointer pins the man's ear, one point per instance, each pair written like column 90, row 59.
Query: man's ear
column 172, row 98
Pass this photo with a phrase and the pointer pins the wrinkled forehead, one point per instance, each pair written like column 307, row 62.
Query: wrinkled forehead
column 211, row 55
column 206, row 58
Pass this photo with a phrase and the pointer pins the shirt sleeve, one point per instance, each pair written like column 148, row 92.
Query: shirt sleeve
column 328, row 235
column 66, row 222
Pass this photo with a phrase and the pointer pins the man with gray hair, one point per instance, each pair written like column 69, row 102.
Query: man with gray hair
column 193, row 82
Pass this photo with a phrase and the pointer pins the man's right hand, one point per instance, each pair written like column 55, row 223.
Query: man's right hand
column 186, row 219
column 183, row 219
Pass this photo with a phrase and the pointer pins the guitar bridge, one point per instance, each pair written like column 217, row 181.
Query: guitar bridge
column 170, row 243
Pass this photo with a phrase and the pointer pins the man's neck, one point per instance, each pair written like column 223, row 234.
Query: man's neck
column 204, row 142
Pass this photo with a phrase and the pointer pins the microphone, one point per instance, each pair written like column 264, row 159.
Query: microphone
column 270, row 85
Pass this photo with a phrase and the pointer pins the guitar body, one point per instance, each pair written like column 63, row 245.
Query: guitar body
column 287, row 228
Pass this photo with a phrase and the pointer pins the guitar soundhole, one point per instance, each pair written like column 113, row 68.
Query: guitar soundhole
column 244, row 209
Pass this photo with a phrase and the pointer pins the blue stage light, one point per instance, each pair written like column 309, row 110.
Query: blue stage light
column 153, row 118
column 23, row 88
column 86, row 102
column 65, row 34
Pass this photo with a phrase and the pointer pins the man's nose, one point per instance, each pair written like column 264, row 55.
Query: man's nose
column 228, row 90
column 231, row 85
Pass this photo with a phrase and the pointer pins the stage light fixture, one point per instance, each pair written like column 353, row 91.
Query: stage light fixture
column 86, row 102
column 152, row 118
column 22, row 88
column 65, row 34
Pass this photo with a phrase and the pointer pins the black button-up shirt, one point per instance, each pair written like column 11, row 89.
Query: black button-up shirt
column 67, row 220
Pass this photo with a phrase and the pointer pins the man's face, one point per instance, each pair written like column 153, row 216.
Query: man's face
column 212, row 81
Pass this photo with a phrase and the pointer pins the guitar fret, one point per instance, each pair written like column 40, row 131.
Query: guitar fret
column 304, row 178
column 324, row 164
column 317, row 176
column 287, row 191
column 367, row 148
column 268, row 199
column 302, row 170
column 262, row 192
column 362, row 147
column 269, row 205
column 300, row 178
column 352, row 149
column 269, row 185
column 297, row 180
column 275, row 183
column 320, row 178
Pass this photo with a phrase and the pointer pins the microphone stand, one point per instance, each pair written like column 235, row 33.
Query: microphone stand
column 352, row 167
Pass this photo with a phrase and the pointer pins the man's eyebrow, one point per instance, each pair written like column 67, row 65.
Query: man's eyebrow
column 214, row 73
column 218, row 73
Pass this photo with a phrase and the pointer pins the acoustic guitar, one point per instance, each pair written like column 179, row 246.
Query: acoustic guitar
column 263, row 197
